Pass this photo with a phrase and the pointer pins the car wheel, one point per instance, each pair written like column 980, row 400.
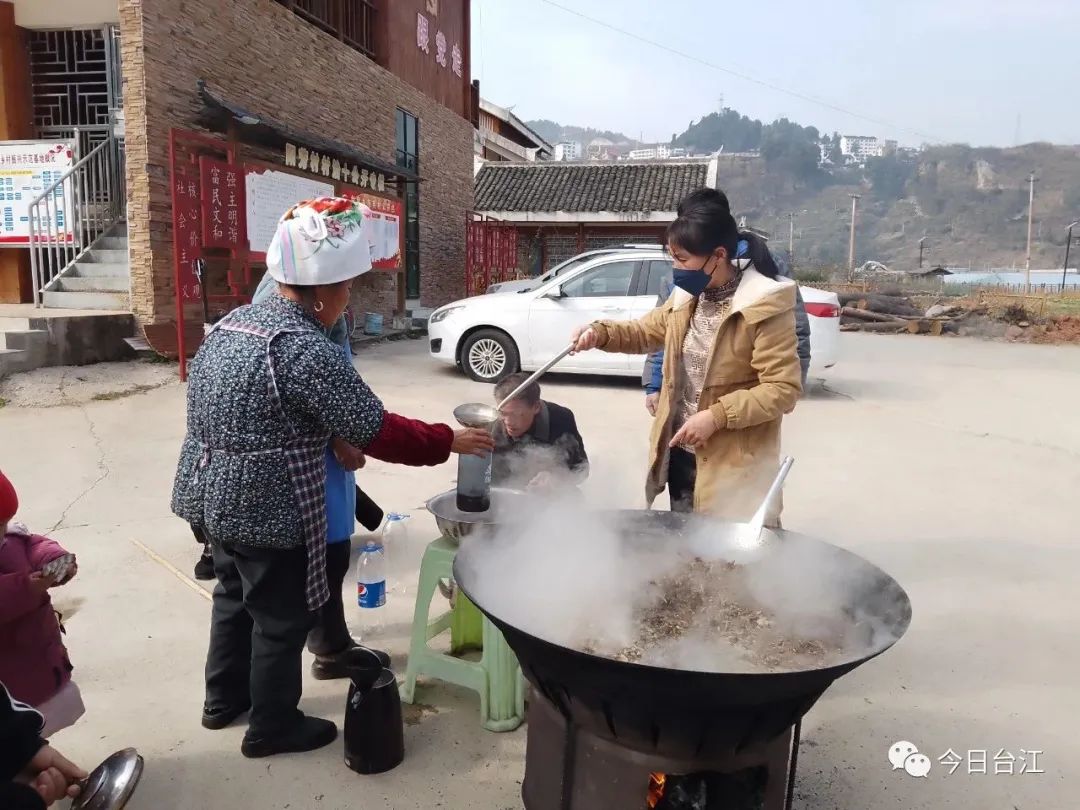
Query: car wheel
column 489, row 355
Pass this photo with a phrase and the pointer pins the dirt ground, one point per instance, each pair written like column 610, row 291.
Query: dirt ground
column 954, row 464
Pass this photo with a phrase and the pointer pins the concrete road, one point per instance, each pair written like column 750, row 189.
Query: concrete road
column 953, row 464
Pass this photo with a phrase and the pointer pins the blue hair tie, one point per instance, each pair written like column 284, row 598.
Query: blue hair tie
column 742, row 249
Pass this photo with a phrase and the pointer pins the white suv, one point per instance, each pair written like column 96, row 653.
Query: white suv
column 491, row 336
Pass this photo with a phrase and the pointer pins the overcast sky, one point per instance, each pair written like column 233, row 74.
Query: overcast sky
column 924, row 70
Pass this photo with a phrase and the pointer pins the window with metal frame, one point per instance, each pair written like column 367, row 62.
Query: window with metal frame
column 608, row 280
column 656, row 273
column 351, row 21
column 407, row 155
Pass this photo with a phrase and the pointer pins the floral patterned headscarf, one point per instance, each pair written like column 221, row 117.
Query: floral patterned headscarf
column 321, row 241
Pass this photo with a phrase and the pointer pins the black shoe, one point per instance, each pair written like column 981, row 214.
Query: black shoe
column 204, row 568
column 340, row 665
column 215, row 719
column 310, row 733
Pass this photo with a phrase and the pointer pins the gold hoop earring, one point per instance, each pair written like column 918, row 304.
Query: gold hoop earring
column 318, row 306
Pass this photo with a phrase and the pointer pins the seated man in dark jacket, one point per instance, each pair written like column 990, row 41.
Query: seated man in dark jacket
column 537, row 443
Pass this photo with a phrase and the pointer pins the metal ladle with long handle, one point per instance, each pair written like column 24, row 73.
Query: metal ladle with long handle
column 748, row 535
column 478, row 415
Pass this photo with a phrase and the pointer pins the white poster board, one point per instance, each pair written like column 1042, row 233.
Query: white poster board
column 385, row 227
column 269, row 195
column 26, row 169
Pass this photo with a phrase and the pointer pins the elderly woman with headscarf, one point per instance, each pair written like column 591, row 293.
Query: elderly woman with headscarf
column 267, row 392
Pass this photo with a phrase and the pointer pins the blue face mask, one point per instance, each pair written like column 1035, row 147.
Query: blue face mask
column 692, row 281
column 695, row 281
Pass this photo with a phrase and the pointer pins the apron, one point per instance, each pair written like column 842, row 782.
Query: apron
column 304, row 456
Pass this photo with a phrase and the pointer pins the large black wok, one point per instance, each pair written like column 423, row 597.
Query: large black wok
column 687, row 714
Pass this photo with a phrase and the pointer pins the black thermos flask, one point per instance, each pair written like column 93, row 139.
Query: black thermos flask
column 368, row 513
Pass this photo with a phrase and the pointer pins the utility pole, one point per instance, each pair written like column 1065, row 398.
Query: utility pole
column 1068, row 244
column 1031, row 210
column 922, row 246
column 791, row 238
column 851, row 240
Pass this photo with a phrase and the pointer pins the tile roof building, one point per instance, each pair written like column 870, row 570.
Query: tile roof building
column 564, row 208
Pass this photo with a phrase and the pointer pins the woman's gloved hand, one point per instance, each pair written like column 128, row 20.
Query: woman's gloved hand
column 472, row 442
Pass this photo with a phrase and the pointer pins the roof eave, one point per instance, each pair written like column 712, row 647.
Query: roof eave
column 218, row 112
column 577, row 217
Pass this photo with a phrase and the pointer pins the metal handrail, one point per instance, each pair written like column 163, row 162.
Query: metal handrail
column 73, row 212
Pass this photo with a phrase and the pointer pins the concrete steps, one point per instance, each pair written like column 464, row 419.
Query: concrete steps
column 100, row 280
column 22, row 347
column 94, row 299
column 32, row 337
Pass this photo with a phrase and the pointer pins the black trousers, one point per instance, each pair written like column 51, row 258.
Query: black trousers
column 682, row 475
column 258, row 625
column 330, row 635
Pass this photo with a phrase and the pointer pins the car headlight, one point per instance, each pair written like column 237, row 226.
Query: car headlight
column 444, row 313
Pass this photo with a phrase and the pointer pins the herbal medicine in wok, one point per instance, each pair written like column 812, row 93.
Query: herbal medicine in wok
column 702, row 617
column 677, row 592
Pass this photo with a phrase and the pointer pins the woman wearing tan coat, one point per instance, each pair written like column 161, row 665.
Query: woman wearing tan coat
column 731, row 369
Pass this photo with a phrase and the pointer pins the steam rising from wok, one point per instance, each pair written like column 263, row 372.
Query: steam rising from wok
column 583, row 579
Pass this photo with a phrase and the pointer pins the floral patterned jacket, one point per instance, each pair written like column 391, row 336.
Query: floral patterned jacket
column 232, row 479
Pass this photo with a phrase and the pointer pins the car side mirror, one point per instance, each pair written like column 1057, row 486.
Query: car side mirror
column 555, row 292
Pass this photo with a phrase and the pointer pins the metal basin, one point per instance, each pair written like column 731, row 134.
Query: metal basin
column 455, row 524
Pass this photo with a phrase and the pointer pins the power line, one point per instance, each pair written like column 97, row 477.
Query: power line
column 741, row 75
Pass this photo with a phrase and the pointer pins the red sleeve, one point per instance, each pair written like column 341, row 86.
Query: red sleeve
column 42, row 551
column 410, row 441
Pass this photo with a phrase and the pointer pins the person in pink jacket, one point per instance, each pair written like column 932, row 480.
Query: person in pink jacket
column 34, row 663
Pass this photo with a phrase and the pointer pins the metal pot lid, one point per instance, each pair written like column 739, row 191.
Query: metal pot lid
column 112, row 783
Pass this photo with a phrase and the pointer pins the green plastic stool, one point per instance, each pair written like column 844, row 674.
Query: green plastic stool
column 466, row 625
column 496, row 677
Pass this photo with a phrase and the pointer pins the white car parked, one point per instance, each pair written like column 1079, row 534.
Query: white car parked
column 491, row 336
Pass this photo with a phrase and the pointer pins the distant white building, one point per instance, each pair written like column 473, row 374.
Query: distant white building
column 660, row 151
column 600, row 149
column 568, row 150
column 861, row 147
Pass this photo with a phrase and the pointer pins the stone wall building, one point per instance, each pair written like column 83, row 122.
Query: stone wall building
column 386, row 82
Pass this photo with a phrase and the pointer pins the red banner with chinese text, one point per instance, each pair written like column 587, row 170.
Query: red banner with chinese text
column 188, row 233
column 223, row 210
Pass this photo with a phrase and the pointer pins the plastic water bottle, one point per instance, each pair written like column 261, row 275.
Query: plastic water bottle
column 395, row 543
column 371, row 582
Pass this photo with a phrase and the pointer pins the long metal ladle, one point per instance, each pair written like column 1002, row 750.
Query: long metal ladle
column 748, row 535
column 478, row 415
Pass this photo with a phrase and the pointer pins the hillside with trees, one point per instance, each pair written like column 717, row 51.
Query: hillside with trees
column 970, row 203
column 553, row 133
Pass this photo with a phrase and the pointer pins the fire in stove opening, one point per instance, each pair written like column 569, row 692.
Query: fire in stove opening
column 710, row 790
column 678, row 792
column 656, row 789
